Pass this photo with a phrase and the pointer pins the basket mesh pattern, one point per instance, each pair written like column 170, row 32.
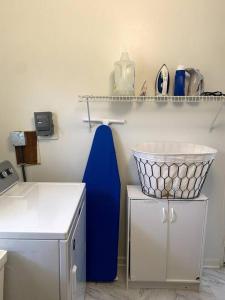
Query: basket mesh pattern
column 172, row 180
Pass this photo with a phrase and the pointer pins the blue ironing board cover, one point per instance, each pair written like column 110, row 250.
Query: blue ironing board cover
column 103, row 207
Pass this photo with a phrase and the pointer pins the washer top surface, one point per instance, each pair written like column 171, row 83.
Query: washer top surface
column 39, row 210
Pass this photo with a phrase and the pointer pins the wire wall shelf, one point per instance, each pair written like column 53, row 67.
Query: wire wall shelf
column 150, row 99
column 88, row 99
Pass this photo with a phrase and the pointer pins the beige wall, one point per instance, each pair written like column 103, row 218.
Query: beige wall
column 53, row 50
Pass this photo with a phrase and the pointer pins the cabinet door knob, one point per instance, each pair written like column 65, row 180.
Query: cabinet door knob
column 164, row 215
column 172, row 215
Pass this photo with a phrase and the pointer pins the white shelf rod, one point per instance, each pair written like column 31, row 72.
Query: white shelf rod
column 175, row 99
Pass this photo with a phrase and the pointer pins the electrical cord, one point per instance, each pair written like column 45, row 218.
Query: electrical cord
column 217, row 94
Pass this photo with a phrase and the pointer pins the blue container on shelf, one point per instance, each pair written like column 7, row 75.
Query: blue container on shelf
column 179, row 83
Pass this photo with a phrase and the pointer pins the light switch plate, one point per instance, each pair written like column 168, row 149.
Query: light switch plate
column 18, row 138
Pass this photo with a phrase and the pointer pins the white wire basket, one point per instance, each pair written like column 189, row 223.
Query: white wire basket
column 173, row 170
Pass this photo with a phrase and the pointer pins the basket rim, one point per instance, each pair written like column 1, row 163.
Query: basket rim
column 210, row 150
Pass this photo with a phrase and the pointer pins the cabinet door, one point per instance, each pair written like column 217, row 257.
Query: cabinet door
column 148, row 240
column 185, row 239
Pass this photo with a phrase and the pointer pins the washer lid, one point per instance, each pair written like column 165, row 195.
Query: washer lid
column 39, row 210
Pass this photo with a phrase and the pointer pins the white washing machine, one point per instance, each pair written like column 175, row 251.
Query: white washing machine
column 43, row 228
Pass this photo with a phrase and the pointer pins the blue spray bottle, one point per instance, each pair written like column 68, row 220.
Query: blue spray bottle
column 179, row 83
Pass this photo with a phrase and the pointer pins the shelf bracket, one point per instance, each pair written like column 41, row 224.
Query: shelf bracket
column 212, row 126
column 89, row 115
column 105, row 121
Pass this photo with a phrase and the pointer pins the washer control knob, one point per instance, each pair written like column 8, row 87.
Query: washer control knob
column 10, row 171
column 4, row 174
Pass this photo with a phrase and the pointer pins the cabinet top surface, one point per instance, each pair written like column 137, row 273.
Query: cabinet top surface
column 134, row 192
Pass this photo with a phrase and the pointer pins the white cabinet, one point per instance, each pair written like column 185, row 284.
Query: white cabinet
column 165, row 239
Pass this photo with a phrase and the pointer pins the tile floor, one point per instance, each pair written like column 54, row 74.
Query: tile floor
column 212, row 288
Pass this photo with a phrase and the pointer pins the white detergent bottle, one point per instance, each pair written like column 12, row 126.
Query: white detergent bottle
column 124, row 76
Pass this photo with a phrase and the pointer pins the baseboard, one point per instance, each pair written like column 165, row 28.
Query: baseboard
column 212, row 263
column 121, row 261
column 194, row 286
